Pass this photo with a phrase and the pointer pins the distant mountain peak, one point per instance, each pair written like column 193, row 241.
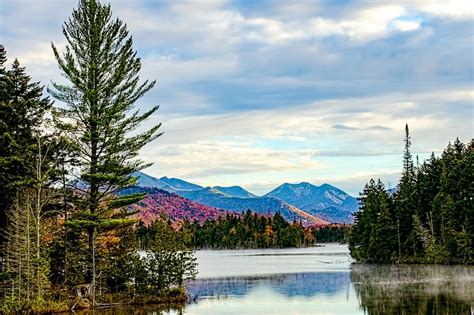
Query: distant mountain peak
column 213, row 190
column 235, row 191
column 326, row 201
column 165, row 183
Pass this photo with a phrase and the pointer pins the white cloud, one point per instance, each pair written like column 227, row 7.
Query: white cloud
column 237, row 148
column 213, row 27
column 372, row 22
column 214, row 56
column 406, row 26
column 363, row 24
column 455, row 9
column 209, row 158
column 273, row 31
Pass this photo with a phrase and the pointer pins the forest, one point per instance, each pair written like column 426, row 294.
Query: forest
column 249, row 230
column 428, row 218
column 68, row 239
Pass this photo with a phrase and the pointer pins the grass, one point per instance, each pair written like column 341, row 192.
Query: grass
column 172, row 298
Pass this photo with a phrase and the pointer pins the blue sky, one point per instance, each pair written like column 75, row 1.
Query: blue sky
column 257, row 93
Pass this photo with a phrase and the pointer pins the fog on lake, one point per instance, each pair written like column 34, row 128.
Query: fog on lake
column 318, row 280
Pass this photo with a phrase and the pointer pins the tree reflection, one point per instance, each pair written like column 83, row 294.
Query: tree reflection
column 289, row 285
column 409, row 289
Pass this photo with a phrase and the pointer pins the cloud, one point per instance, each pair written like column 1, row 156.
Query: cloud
column 209, row 158
column 257, row 93
column 344, row 127
column 374, row 127
column 455, row 9
column 406, row 26
column 378, row 127
column 321, row 140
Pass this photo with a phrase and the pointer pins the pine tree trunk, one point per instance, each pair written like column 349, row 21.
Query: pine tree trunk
column 399, row 242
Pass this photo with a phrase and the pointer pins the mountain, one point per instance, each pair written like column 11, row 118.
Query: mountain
column 165, row 183
column 325, row 201
column 158, row 202
column 261, row 205
column 235, row 191
column 145, row 180
column 309, row 203
column 392, row 191
column 180, row 184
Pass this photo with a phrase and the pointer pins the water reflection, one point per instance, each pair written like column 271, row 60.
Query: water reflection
column 300, row 284
column 416, row 289
column 317, row 281
column 136, row 310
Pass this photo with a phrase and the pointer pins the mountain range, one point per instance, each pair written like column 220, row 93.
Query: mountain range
column 325, row 201
column 311, row 204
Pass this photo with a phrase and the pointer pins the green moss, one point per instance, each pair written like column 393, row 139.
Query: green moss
column 37, row 305
column 167, row 296
column 170, row 298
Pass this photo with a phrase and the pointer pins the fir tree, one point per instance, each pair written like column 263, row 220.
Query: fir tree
column 99, row 119
column 4, row 199
column 372, row 237
column 22, row 111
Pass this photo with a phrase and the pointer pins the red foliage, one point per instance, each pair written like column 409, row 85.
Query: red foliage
column 175, row 207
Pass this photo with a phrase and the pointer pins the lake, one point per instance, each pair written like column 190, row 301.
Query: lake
column 319, row 280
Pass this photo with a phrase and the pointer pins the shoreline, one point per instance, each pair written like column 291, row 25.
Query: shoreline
column 175, row 298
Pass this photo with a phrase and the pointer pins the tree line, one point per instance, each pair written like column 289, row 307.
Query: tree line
column 428, row 218
column 248, row 230
column 66, row 234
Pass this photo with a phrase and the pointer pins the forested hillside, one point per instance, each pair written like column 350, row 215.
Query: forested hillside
column 159, row 202
column 248, row 230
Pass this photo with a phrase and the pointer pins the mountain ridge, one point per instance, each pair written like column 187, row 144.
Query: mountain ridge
column 303, row 201
column 326, row 201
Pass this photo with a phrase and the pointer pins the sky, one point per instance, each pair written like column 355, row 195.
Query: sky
column 259, row 93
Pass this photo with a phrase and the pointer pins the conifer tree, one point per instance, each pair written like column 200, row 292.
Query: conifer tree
column 372, row 238
column 102, row 69
column 4, row 200
column 22, row 111
column 404, row 197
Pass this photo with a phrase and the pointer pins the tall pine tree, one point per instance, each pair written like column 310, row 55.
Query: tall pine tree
column 102, row 69
column 405, row 207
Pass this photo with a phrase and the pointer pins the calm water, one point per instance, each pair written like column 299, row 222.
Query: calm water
column 320, row 280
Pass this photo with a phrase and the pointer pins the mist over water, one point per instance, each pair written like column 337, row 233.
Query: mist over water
column 324, row 280
column 317, row 280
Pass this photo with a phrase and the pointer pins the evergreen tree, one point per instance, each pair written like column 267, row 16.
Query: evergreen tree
column 373, row 235
column 453, row 204
column 4, row 198
column 102, row 69
column 383, row 241
column 405, row 199
column 22, row 111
